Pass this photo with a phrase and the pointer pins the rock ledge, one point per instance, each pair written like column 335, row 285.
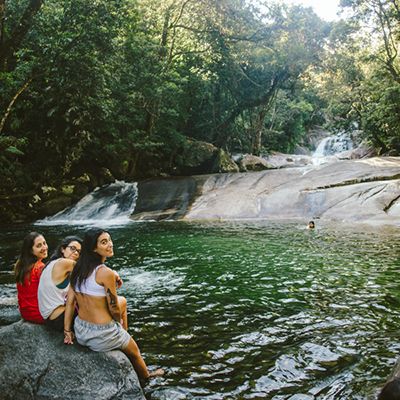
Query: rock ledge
column 35, row 364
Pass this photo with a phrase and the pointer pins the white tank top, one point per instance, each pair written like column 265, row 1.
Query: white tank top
column 90, row 286
column 49, row 295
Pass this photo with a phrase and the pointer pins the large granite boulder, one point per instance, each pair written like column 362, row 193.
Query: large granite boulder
column 35, row 364
column 198, row 157
column 363, row 150
column 53, row 206
column 250, row 162
column 281, row 160
column 9, row 311
column 365, row 191
column 224, row 163
column 161, row 199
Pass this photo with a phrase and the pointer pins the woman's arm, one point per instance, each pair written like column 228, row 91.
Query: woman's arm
column 106, row 277
column 62, row 268
column 68, row 315
column 118, row 279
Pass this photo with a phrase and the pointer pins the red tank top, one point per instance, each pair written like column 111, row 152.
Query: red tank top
column 27, row 295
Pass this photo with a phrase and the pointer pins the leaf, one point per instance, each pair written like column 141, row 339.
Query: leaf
column 14, row 150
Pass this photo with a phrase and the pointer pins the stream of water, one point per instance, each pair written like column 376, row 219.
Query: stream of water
column 237, row 310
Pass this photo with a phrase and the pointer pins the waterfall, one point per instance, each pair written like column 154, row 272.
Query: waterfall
column 334, row 144
column 111, row 204
column 330, row 146
column 320, row 150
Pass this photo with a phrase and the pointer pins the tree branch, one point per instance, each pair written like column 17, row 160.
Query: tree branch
column 13, row 100
column 266, row 100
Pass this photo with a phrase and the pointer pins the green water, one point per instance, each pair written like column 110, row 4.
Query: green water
column 255, row 310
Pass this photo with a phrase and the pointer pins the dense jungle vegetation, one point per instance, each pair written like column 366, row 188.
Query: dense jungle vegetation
column 127, row 85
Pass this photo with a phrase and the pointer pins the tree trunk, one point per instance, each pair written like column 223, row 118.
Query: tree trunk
column 258, row 130
column 9, row 45
column 222, row 134
column 10, row 105
column 2, row 20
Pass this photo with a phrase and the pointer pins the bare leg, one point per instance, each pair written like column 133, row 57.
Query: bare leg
column 133, row 353
column 124, row 312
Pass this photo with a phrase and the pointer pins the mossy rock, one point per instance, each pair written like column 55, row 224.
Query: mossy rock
column 53, row 206
column 224, row 163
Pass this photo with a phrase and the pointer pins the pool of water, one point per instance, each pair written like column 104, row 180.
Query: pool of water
column 246, row 310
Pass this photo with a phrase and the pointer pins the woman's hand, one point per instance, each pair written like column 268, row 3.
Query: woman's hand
column 68, row 317
column 68, row 337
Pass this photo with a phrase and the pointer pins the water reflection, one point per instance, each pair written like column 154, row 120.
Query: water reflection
column 257, row 310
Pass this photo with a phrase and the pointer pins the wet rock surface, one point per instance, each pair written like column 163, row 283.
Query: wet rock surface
column 160, row 199
column 365, row 190
column 35, row 364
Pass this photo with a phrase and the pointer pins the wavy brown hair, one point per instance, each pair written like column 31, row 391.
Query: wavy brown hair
column 26, row 259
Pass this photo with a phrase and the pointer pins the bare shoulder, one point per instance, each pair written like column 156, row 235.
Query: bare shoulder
column 65, row 264
column 104, row 273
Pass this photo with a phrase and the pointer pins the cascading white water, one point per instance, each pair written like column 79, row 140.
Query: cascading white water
column 320, row 150
column 330, row 146
column 333, row 144
column 111, row 204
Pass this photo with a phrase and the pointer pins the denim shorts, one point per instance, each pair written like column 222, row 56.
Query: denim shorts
column 101, row 337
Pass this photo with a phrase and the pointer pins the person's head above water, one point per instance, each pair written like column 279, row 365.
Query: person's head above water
column 311, row 225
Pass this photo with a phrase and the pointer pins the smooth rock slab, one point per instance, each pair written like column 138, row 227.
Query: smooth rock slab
column 35, row 364
column 366, row 191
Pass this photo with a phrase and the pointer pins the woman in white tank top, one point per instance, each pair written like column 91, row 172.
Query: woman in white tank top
column 54, row 282
column 94, row 288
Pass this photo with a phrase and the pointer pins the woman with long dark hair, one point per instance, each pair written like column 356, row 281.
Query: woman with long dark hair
column 391, row 391
column 54, row 282
column 70, row 247
column 94, row 288
column 27, row 270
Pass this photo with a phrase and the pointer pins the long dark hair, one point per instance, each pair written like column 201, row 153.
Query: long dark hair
column 88, row 259
column 26, row 259
column 391, row 391
column 63, row 245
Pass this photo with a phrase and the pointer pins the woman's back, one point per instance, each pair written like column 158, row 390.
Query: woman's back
column 27, row 294
column 91, row 297
column 54, row 285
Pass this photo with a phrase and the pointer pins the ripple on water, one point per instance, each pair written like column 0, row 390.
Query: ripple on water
column 140, row 281
column 258, row 310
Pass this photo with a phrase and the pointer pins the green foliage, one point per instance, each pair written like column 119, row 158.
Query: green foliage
column 126, row 85
column 293, row 114
column 361, row 77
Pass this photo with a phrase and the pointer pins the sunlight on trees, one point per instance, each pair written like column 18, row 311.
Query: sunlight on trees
column 128, row 85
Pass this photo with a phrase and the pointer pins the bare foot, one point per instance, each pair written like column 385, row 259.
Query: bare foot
column 156, row 373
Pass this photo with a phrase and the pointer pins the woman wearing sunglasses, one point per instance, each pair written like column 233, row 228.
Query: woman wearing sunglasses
column 54, row 282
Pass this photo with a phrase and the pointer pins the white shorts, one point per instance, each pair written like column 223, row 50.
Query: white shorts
column 101, row 337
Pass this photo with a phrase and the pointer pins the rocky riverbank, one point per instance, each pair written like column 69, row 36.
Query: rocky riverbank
column 366, row 190
column 35, row 364
column 45, row 200
column 346, row 186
